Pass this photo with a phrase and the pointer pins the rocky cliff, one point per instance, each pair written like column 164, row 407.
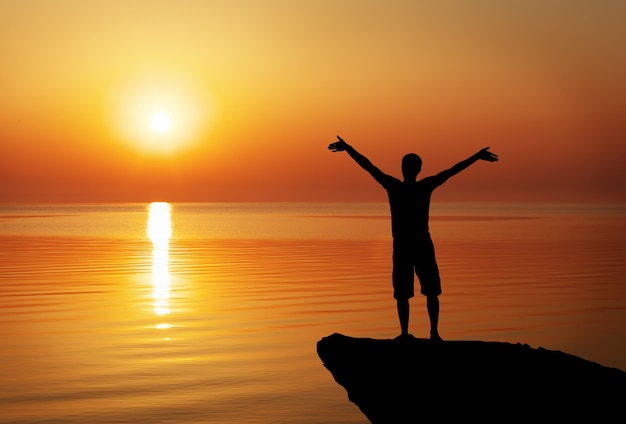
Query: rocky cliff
column 418, row 381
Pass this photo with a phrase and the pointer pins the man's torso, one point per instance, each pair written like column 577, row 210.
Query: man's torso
column 409, row 202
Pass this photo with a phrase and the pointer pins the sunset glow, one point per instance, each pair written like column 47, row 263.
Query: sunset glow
column 189, row 101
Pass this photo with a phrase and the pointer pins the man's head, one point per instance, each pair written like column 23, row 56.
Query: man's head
column 411, row 166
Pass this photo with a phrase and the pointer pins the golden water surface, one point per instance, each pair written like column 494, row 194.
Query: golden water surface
column 205, row 313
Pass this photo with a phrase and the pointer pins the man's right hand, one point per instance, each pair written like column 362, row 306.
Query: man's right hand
column 485, row 154
column 338, row 146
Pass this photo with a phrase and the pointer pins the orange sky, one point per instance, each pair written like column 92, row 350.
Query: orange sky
column 255, row 91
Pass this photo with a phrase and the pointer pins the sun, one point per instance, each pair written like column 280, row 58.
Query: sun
column 161, row 113
column 160, row 122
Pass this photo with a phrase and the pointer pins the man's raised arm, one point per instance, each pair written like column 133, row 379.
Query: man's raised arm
column 482, row 154
column 341, row 145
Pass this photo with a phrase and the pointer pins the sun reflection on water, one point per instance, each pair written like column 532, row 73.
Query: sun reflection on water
column 159, row 231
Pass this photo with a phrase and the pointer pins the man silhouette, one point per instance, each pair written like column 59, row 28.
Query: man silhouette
column 413, row 249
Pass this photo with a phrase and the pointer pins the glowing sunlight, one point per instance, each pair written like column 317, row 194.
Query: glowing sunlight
column 161, row 114
column 160, row 122
column 159, row 231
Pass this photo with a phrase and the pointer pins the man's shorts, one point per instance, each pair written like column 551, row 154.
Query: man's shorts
column 416, row 256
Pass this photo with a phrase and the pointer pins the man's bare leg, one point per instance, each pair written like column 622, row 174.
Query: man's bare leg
column 403, row 315
column 432, row 304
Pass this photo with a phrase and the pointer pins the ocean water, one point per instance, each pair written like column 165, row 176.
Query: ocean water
column 210, row 313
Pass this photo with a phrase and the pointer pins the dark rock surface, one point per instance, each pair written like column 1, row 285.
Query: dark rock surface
column 417, row 381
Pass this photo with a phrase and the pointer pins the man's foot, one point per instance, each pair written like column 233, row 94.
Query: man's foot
column 434, row 337
column 405, row 336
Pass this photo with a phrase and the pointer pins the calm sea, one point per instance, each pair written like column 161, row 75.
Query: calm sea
column 210, row 313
